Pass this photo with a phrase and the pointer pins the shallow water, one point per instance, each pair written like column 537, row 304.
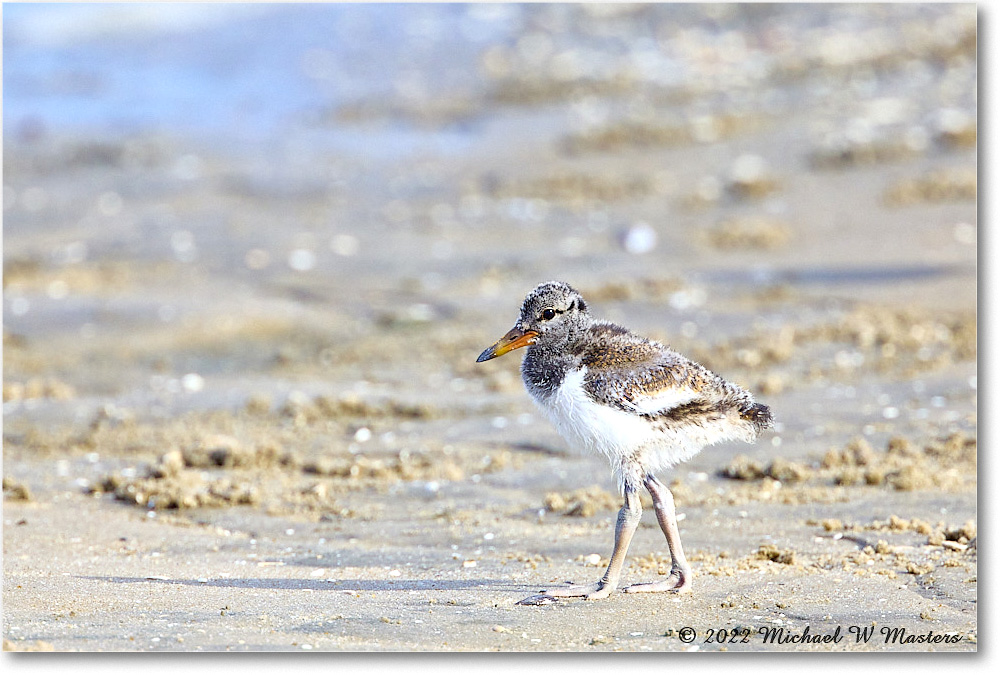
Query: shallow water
column 248, row 73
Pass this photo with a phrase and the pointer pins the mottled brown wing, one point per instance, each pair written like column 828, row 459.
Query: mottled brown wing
column 633, row 373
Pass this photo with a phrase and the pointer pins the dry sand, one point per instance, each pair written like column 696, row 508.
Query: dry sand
column 243, row 412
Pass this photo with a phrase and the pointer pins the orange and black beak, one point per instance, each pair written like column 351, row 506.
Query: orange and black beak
column 514, row 339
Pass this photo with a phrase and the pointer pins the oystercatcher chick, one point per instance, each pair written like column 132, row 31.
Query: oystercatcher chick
column 635, row 401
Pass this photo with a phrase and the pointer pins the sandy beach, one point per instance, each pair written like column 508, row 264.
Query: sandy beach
column 242, row 409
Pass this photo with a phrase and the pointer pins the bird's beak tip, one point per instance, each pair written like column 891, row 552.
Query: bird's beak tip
column 514, row 339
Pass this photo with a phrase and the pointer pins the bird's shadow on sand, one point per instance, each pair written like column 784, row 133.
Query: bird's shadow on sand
column 339, row 585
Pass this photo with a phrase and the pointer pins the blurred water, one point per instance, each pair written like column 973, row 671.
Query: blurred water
column 245, row 72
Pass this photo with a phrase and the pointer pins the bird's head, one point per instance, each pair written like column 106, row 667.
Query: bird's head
column 553, row 313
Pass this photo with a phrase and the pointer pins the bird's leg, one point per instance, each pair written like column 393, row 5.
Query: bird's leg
column 628, row 521
column 679, row 580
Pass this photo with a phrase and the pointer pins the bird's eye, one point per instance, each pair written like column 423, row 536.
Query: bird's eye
column 548, row 314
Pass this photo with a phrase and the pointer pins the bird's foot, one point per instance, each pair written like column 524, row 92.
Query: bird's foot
column 596, row 591
column 679, row 581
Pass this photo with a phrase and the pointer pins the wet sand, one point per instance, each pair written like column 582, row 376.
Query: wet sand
column 242, row 409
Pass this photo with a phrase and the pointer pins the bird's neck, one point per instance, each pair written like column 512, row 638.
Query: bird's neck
column 545, row 367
